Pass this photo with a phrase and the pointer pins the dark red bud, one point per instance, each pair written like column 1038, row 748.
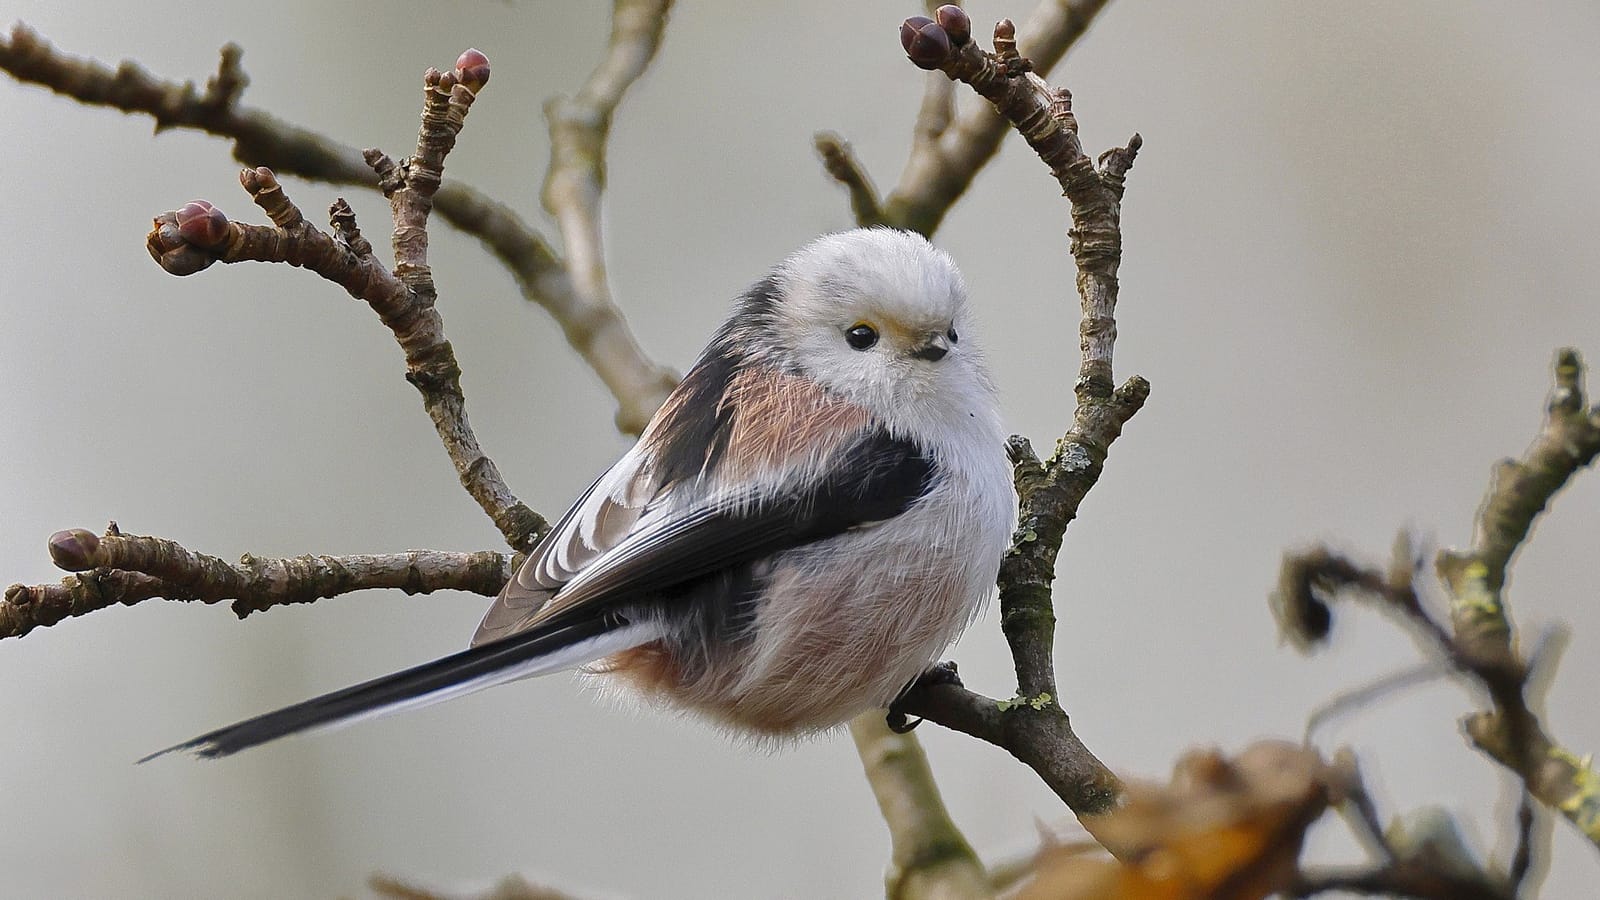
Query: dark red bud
column 909, row 29
column 171, row 250
column 953, row 19
column 202, row 224
column 472, row 70
column 929, row 47
column 74, row 550
column 1005, row 30
column 258, row 180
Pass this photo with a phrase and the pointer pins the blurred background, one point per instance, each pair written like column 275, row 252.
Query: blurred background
column 1354, row 238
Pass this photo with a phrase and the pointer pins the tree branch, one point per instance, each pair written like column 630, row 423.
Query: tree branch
column 1478, row 642
column 600, row 336
column 127, row 569
column 930, row 857
column 840, row 162
column 1418, row 878
column 573, row 186
column 1510, row 731
column 1033, row 727
column 190, row 239
column 939, row 171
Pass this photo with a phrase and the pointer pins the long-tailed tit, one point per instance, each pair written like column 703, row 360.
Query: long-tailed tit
column 814, row 514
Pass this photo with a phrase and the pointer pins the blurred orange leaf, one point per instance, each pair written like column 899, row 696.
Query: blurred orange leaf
column 1221, row 829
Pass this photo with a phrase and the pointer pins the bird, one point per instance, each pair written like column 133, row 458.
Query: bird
column 812, row 517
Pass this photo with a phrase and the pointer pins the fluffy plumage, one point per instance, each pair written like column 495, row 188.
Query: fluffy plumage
column 810, row 519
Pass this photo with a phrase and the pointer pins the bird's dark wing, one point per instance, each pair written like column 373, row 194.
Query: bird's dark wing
column 873, row 477
column 675, row 448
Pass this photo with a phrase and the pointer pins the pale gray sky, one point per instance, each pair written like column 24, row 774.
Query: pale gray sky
column 1355, row 236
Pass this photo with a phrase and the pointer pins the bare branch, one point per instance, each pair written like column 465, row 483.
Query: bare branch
column 189, row 239
column 1510, row 731
column 930, row 857
column 1033, row 726
column 514, row 887
column 261, row 139
column 939, row 171
column 938, row 107
column 579, row 126
column 1418, row 879
column 1478, row 642
column 1519, row 492
column 127, row 569
column 840, row 161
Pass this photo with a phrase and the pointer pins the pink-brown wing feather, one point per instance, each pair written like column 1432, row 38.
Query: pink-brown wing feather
column 771, row 423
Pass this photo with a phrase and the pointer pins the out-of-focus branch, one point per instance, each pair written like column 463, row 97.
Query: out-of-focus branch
column 930, row 857
column 579, row 126
column 513, row 888
column 261, row 139
column 948, row 149
column 1421, row 879
column 127, row 569
column 190, row 239
column 1478, row 642
column 840, row 161
column 1033, row 726
column 1510, row 731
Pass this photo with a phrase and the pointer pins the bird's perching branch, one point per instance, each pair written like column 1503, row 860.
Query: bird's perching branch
column 1032, row 726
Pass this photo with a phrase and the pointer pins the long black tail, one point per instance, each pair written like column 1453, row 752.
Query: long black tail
column 533, row 652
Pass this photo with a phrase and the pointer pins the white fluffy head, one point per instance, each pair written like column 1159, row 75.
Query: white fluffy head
column 881, row 317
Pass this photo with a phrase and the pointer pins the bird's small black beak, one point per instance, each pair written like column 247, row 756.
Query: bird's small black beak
column 934, row 350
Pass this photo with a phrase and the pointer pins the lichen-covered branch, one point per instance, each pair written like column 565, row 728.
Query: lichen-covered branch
column 1032, row 726
column 579, row 127
column 188, row 240
column 1510, row 731
column 126, row 569
column 930, row 857
column 1521, row 488
column 1478, row 642
column 261, row 139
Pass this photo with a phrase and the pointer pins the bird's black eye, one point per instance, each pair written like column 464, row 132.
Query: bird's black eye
column 861, row 336
column 951, row 334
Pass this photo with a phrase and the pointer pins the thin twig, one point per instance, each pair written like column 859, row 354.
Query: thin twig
column 261, row 139
column 840, row 162
column 938, row 172
column 187, row 240
column 127, row 569
column 579, row 127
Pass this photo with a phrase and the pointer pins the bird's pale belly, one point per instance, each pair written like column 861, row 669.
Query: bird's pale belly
column 827, row 644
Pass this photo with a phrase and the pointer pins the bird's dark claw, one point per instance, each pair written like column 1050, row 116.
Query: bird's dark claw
column 938, row 673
